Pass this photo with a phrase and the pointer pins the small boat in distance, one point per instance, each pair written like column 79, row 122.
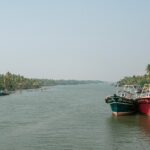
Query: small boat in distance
column 4, row 93
column 123, row 102
column 143, row 100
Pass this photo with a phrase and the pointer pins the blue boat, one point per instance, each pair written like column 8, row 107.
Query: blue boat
column 122, row 103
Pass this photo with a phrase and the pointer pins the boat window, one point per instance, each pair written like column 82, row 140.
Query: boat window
column 148, row 94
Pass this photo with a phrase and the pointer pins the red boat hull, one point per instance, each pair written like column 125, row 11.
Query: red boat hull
column 144, row 105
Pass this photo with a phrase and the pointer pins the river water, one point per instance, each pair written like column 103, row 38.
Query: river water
column 71, row 117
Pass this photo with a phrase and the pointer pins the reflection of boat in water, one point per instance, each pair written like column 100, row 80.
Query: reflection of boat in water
column 122, row 121
column 143, row 100
column 123, row 102
column 144, row 123
column 122, row 132
column 128, row 132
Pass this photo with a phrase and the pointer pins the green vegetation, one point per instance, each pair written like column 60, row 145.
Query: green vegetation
column 139, row 80
column 12, row 82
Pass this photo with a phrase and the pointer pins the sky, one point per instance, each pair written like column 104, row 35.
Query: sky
column 75, row 39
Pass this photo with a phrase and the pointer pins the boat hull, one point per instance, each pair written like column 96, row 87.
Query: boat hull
column 121, row 105
column 120, row 109
column 144, row 106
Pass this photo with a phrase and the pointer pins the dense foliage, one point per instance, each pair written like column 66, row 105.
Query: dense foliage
column 12, row 82
column 139, row 80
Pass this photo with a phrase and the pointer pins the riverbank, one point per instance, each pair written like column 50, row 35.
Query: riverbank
column 12, row 82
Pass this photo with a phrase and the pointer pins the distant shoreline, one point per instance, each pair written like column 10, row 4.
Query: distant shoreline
column 12, row 82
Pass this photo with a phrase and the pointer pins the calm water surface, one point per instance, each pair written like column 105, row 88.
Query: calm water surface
column 72, row 117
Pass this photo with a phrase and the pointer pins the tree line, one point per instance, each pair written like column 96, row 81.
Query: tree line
column 12, row 82
column 137, row 80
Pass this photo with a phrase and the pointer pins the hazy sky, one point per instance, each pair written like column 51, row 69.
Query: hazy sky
column 75, row 39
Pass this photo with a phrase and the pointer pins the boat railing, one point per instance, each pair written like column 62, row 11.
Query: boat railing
column 129, row 91
column 145, row 91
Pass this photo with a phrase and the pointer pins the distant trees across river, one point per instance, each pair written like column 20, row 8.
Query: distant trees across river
column 12, row 82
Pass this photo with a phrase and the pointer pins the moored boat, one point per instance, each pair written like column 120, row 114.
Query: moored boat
column 143, row 101
column 3, row 93
column 123, row 103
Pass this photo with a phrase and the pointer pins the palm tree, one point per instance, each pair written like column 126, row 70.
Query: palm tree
column 148, row 69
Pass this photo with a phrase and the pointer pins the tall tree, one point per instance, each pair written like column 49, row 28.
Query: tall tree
column 148, row 69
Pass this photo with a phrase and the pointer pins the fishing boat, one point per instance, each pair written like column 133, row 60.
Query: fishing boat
column 143, row 100
column 123, row 102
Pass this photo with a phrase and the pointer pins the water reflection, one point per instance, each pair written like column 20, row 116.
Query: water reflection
column 124, row 132
column 125, row 121
column 129, row 132
column 144, row 124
